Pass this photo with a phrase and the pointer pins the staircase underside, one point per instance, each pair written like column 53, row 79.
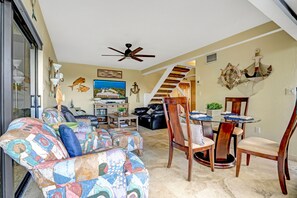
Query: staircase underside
column 177, row 74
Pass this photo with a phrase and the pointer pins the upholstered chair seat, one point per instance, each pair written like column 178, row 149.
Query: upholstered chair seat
column 259, row 145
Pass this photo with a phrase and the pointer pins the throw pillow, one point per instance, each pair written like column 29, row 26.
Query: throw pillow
column 70, row 141
column 150, row 111
column 197, row 134
column 69, row 117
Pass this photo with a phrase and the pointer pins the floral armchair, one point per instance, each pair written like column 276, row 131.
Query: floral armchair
column 89, row 137
column 110, row 173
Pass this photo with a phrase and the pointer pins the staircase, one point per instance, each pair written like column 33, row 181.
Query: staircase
column 169, row 81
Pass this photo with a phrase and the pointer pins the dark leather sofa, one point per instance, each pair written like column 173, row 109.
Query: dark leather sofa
column 71, row 118
column 151, row 117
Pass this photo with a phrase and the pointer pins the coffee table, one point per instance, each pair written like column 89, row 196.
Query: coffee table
column 128, row 121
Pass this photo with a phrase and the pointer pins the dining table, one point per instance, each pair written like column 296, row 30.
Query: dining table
column 227, row 123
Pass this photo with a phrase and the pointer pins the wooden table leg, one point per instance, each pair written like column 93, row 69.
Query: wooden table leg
column 223, row 140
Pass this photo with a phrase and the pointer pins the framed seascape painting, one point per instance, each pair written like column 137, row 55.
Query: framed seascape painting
column 109, row 89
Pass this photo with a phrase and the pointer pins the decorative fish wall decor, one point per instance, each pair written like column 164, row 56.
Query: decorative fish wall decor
column 79, row 82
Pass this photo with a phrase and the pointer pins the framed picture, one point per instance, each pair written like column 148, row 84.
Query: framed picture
column 105, row 73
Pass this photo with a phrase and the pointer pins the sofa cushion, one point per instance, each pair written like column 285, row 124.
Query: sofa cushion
column 150, row 111
column 52, row 116
column 30, row 142
column 70, row 141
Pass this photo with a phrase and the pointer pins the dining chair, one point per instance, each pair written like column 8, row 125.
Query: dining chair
column 238, row 106
column 270, row 150
column 176, row 136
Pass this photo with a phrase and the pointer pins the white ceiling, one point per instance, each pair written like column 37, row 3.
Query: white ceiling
column 82, row 30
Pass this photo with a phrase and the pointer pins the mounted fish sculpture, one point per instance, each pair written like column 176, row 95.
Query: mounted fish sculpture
column 83, row 88
column 79, row 82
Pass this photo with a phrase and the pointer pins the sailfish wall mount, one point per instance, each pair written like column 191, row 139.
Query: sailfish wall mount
column 232, row 76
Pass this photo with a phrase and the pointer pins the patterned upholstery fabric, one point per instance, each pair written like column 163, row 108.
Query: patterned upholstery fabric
column 30, row 142
column 130, row 140
column 94, row 140
column 51, row 116
column 89, row 137
column 136, row 177
column 108, row 173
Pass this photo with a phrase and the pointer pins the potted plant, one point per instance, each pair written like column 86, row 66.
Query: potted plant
column 121, row 111
column 214, row 109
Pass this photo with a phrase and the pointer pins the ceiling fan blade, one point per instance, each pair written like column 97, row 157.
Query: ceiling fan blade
column 110, row 55
column 122, row 59
column 144, row 55
column 135, row 58
column 115, row 50
column 136, row 50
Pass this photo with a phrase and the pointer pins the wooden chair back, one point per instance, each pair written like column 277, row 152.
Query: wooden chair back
column 284, row 144
column 237, row 104
column 172, row 114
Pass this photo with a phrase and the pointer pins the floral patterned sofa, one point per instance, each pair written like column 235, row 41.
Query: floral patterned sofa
column 91, row 138
column 108, row 173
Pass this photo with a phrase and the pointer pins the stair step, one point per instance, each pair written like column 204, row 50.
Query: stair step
column 180, row 69
column 161, row 95
column 156, row 100
column 173, row 75
column 164, row 91
column 168, row 86
column 171, row 81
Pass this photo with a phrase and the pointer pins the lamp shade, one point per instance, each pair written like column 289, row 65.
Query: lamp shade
column 16, row 62
column 18, row 79
column 57, row 66
column 55, row 81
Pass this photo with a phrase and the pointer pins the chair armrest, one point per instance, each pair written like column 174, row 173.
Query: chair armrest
column 140, row 110
column 156, row 115
column 90, row 117
column 137, row 176
column 158, row 112
column 77, row 169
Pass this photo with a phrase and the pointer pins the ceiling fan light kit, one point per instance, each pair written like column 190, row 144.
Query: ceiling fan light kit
column 130, row 53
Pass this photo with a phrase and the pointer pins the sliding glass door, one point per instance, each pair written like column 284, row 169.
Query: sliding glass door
column 23, row 86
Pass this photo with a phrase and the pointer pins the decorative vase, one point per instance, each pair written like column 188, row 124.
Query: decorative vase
column 214, row 112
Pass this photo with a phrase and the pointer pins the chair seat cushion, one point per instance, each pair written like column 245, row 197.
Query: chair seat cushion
column 260, row 145
column 237, row 131
column 197, row 134
column 70, row 141
column 207, row 142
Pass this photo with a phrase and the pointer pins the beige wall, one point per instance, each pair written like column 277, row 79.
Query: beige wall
column 47, row 51
column 73, row 71
column 270, row 103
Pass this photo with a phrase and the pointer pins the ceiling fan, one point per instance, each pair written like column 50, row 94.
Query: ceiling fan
column 130, row 53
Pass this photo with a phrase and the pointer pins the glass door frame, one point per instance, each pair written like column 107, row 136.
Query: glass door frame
column 13, row 10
